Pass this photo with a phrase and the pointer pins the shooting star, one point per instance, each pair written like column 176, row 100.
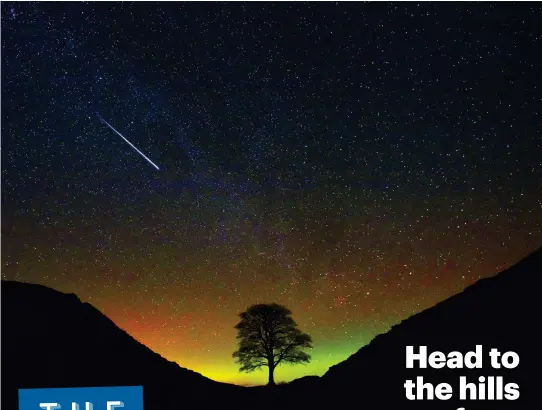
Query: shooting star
column 132, row 145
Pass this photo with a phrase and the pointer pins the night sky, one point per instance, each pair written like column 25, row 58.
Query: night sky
column 355, row 162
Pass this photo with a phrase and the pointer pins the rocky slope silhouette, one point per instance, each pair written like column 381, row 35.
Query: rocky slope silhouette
column 52, row 339
column 497, row 312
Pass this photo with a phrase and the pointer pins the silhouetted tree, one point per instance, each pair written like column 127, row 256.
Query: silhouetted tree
column 268, row 336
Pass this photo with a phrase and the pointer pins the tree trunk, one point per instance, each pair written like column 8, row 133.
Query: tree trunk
column 271, row 381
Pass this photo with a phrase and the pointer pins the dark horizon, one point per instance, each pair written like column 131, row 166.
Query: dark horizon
column 356, row 162
column 510, row 280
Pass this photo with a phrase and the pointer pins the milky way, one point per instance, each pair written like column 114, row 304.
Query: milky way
column 355, row 162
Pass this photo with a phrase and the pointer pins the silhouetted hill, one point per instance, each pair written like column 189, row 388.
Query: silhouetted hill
column 52, row 339
column 306, row 381
column 497, row 312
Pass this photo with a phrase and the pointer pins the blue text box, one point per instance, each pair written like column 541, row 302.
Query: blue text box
column 82, row 398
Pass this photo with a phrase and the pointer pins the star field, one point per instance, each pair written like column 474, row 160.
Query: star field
column 356, row 162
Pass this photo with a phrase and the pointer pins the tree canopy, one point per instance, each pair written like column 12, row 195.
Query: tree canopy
column 268, row 336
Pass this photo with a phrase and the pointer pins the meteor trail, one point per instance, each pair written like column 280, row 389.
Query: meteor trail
column 132, row 145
